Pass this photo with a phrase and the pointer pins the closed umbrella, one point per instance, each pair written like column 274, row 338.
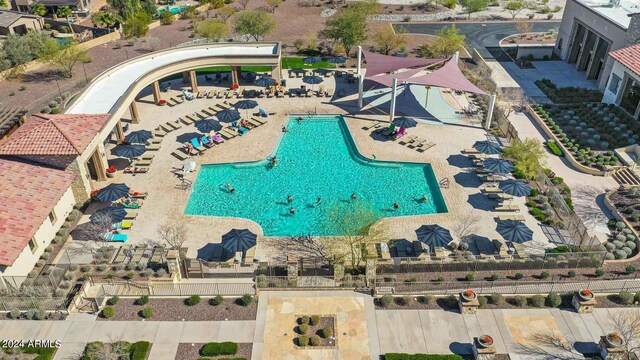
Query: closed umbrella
column 246, row 105
column 515, row 187
column 139, row 137
column 312, row 80
column 128, row 150
column 228, row 115
column 265, row 81
column 117, row 214
column 208, row 125
column 434, row 235
column 337, row 60
column 488, row 147
column 498, row 166
column 515, row 231
column 405, row 122
column 239, row 240
column 312, row 60
column 112, row 192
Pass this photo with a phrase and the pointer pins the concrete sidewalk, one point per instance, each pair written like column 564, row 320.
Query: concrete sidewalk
column 79, row 329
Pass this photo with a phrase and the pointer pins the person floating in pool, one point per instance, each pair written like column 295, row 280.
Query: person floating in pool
column 425, row 199
column 354, row 196
column 299, row 119
column 284, row 129
column 230, row 188
column 292, row 210
column 289, row 199
column 274, row 161
column 396, row 205
column 319, row 201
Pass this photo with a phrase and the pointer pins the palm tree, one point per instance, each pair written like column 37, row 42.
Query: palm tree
column 65, row 12
column 38, row 9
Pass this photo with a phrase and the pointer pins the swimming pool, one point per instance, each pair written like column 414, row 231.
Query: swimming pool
column 317, row 158
column 172, row 9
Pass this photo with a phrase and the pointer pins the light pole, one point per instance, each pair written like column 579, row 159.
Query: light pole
column 58, row 85
column 86, row 79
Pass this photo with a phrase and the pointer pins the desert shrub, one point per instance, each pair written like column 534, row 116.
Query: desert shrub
column 544, row 275
column 142, row 300
column 108, row 312
column 30, row 313
column 620, row 254
column 112, row 300
column 303, row 340
column 554, row 300
column 637, row 297
column 599, row 272
column 193, row 300
column 315, row 340
column 85, row 268
column 303, row 329
column 221, row 348
column 405, row 300
column 15, row 314
column 216, row 300
column 40, row 314
column 470, row 277
column 571, row 274
column 537, row 300
column 494, row 277
column 314, row 320
column 518, row 276
column 139, row 350
column 482, row 300
column 245, row 300
column 520, row 301
column 327, row 332
column 303, row 320
column 496, row 299
column 625, row 298
column 147, row 312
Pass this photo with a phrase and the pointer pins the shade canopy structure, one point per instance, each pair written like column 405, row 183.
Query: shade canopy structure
column 239, row 240
column 265, row 81
column 434, row 235
column 380, row 64
column 488, row 147
column 208, row 125
column 405, row 122
column 337, row 60
column 312, row 60
column 128, row 150
column 498, row 166
column 228, row 115
column 139, row 137
column 515, row 187
column 401, row 76
column 449, row 76
column 116, row 214
column 113, row 192
column 515, row 231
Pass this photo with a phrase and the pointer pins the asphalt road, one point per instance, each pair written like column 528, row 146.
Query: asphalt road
column 484, row 36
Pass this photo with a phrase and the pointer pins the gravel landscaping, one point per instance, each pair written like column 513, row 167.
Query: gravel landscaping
column 322, row 328
column 190, row 351
column 176, row 310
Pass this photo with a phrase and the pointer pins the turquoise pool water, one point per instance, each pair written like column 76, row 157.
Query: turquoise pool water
column 173, row 9
column 317, row 158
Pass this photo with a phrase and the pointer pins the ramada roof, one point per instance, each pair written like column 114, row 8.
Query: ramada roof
column 28, row 193
column 629, row 57
column 48, row 134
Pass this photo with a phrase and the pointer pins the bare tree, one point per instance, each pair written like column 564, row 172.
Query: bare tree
column 466, row 225
column 174, row 234
column 95, row 229
column 627, row 324
column 523, row 27
column 115, row 349
column 244, row 3
column 151, row 44
column 314, row 247
column 514, row 99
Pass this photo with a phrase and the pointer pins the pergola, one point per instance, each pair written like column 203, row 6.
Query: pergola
column 388, row 70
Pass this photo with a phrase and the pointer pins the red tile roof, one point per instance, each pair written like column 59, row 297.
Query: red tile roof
column 28, row 193
column 629, row 57
column 48, row 134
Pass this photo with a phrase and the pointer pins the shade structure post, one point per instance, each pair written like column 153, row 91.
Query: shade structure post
column 456, row 56
column 360, row 78
column 492, row 104
column 359, row 68
column 392, row 110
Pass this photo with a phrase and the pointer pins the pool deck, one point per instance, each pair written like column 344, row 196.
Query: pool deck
column 166, row 203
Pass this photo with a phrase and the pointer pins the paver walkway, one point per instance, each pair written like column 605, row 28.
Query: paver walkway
column 79, row 329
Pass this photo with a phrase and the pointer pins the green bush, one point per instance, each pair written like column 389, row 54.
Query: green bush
column 303, row 340
column 147, row 312
column 139, row 350
column 625, row 298
column 544, row 275
column 571, row 274
column 314, row 320
column 496, row 299
column 554, row 300
column 221, row 348
column 400, row 356
column 554, row 148
column 303, row 320
column 43, row 353
column 599, row 272
column 315, row 340
column 386, row 301
column 482, row 301
column 245, row 300
column 192, row 300
column 637, row 297
column 537, row 301
column 216, row 300
column 518, row 276
column 113, row 300
column 303, row 329
column 142, row 300
column 327, row 332
column 108, row 312
column 520, row 301
column 470, row 277
column 630, row 269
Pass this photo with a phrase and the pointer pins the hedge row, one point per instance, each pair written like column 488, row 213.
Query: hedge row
column 222, row 348
column 400, row 356
column 140, row 350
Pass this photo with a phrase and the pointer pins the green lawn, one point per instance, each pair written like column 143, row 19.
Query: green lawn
column 298, row 63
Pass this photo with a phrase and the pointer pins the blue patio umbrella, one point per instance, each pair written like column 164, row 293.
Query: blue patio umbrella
column 117, row 214
column 246, row 105
column 405, row 122
column 337, row 60
column 434, row 235
column 112, row 192
column 515, row 231
column 265, row 81
column 128, row 150
column 312, row 60
column 139, row 137
column 312, row 80
column 228, row 115
column 208, row 125
column 239, row 240
column 515, row 187
column 498, row 166
column 488, row 147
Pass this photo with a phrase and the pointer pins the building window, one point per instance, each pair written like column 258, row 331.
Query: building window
column 53, row 217
column 614, row 83
column 33, row 245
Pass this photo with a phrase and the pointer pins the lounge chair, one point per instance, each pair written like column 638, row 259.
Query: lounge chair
column 207, row 112
column 147, row 156
column 152, row 147
column 186, row 121
column 180, row 155
column 492, row 190
column 136, row 170
column 115, row 237
column 388, row 131
column 507, row 208
column 510, row 217
column 406, row 141
column 254, row 123
column 425, row 146
column 123, row 225
column 226, row 134
column 138, row 195
column 416, row 142
column 211, row 94
column 206, row 142
column 478, row 156
column 258, row 120
column 174, row 124
column 216, row 138
column 471, row 151
column 131, row 215
column 132, row 205
column 195, row 142
column 201, row 94
column 166, row 128
column 159, row 133
column 187, row 95
column 200, row 115
column 142, row 163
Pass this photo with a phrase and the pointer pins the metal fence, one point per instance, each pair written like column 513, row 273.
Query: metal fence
column 177, row 289
column 42, row 285
column 23, row 303
column 310, row 282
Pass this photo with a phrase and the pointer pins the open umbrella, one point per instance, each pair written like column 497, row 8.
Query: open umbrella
column 312, row 80
column 238, row 240
column 246, row 105
column 434, row 235
column 515, row 187
column 112, row 192
column 265, row 81
column 337, row 60
column 139, row 137
column 228, row 115
column 117, row 214
column 515, row 231
column 405, row 122
column 488, row 147
column 498, row 166
column 312, row 60
column 208, row 125
column 128, row 150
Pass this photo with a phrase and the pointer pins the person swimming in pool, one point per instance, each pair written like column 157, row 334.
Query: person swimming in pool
column 299, row 119
column 319, row 201
column 425, row 199
column 289, row 199
column 284, row 129
column 396, row 205
column 292, row 210
column 230, row 188
column 354, row 196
